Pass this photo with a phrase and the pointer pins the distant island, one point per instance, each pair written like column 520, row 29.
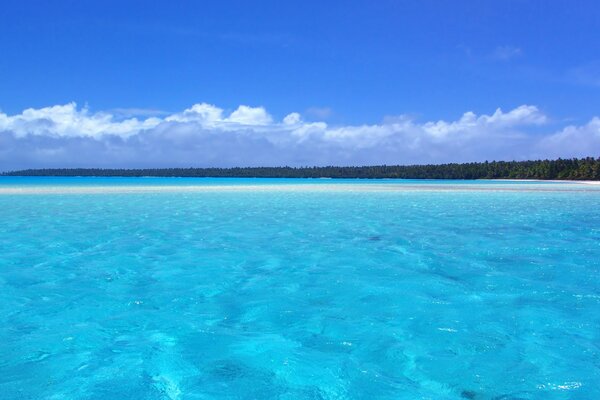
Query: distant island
column 561, row 169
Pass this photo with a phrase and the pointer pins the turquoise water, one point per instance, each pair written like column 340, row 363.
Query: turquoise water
column 333, row 290
column 37, row 181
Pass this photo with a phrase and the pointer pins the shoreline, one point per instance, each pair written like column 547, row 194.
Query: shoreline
column 544, row 180
column 474, row 186
column 424, row 180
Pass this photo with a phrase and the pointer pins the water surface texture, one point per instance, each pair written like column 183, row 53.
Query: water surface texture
column 298, row 289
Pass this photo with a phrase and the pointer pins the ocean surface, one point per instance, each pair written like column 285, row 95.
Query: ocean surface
column 150, row 288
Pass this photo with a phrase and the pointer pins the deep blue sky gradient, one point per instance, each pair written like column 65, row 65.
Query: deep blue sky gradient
column 362, row 59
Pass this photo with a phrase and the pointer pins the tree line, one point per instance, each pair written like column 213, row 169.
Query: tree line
column 568, row 169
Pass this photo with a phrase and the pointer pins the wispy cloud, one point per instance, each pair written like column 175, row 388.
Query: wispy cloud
column 499, row 54
column 506, row 53
column 323, row 113
column 137, row 112
column 243, row 38
column 205, row 135
column 588, row 74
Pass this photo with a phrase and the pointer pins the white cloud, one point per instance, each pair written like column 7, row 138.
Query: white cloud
column 202, row 113
column 204, row 134
column 292, row 119
column 250, row 116
column 67, row 120
column 210, row 115
column 573, row 141
column 521, row 115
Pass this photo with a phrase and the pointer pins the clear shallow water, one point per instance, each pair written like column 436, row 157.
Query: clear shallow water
column 45, row 181
column 301, row 294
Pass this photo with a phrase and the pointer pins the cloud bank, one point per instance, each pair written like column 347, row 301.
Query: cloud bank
column 206, row 135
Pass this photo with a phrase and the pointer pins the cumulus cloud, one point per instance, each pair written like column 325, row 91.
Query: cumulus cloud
column 573, row 141
column 292, row 119
column 250, row 116
column 67, row 120
column 206, row 135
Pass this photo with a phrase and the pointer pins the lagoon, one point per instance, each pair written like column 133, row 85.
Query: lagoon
column 183, row 288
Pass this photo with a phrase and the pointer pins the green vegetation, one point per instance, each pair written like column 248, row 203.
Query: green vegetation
column 569, row 169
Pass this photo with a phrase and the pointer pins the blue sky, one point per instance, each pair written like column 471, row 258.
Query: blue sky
column 347, row 64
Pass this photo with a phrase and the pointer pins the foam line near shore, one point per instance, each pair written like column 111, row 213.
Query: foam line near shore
column 339, row 187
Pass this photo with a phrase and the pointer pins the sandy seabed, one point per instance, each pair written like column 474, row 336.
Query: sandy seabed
column 506, row 185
